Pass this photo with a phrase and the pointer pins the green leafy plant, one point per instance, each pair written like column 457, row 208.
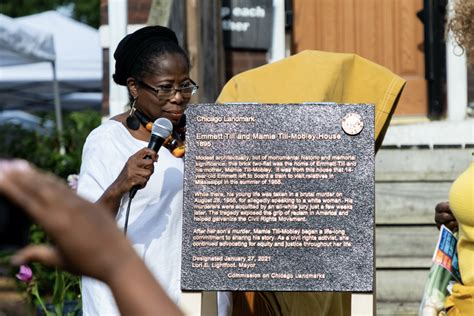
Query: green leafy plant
column 42, row 148
column 50, row 288
column 53, row 305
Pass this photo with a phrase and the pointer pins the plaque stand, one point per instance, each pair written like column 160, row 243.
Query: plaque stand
column 362, row 304
column 199, row 303
column 205, row 303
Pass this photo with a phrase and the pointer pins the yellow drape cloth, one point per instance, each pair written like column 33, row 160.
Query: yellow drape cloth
column 461, row 202
column 461, row 301
column 315, row 76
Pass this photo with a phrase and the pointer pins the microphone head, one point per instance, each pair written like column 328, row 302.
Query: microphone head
column 162, row 127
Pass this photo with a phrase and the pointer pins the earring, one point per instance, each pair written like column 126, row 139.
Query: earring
column 144, row 120
column 132, row 122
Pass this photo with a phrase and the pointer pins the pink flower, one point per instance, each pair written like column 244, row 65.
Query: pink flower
column 25, row 274
column 72, row 180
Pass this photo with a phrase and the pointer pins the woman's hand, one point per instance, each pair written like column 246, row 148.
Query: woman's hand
column 137, row 170
column 86, row 239
column 444, row 216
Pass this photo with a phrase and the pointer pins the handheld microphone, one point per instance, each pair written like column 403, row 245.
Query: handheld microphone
column 162, row 128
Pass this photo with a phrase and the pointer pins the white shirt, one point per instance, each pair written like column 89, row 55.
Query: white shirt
column 155, row 222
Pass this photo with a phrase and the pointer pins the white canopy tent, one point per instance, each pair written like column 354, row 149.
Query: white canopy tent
column 21, row 45
column 78, row 63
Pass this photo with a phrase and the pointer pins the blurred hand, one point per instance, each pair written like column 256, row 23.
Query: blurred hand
column 78, row 228
column 444, row 216
column 86, row 239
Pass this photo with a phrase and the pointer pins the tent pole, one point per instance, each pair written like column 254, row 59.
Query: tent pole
column 57, row 108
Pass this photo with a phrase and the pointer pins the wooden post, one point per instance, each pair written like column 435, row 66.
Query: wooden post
column 205, row 48
column 199, row 303
column 362, row 304
column 212, row 50
column 171, row 14
column 160, row 12
column 193, row 25
column 177, row 21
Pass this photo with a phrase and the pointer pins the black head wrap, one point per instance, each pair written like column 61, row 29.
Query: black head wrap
column 132, row 46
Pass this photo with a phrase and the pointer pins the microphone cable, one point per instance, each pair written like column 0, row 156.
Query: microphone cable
column 127, row 214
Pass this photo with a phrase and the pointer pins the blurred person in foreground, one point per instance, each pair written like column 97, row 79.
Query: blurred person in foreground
column 86, row 239
column 458, row 213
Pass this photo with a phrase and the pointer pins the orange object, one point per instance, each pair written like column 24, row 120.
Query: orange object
column 149, row 126
column 179, row 152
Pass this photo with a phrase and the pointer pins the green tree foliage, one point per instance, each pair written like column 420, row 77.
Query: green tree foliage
column 16, row 8
column 42, row 149
column 86, row 11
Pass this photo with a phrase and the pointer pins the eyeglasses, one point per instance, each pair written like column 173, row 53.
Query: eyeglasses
column 167, row 92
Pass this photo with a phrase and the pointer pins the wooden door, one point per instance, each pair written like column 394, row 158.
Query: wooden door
column 387, row 32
